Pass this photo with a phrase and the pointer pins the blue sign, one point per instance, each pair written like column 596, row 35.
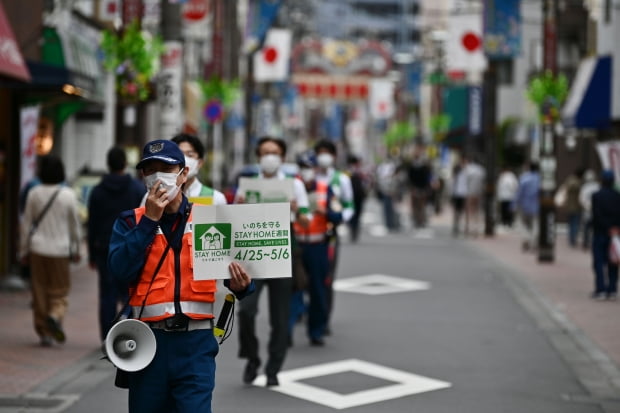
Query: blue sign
column 214, row 111
column 475, row 110
column 502, row 28
column 262, row 15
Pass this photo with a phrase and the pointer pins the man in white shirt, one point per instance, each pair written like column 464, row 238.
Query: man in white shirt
column 507, row 185
column 194, row 153
column 270, row 153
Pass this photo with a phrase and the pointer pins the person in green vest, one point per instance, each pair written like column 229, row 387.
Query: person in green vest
column 340, row 185
column 194, row 152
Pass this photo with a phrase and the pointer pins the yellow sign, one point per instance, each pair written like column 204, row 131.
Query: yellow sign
column 201, row 200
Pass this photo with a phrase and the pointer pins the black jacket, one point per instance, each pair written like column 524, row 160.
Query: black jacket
column 605, row 210
column 113, row 195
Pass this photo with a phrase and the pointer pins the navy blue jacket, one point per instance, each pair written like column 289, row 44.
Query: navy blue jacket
column 113, row 195
column 605, row 210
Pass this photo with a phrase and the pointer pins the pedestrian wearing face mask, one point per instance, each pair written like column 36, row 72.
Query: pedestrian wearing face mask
column 151, row 252
column 313, row 241
column 271, row 153
column 340, row 184
column 118, row 191
column 194, row 153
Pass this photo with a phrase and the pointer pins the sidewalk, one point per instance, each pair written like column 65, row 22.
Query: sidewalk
column 566, row 283
column 24, row 364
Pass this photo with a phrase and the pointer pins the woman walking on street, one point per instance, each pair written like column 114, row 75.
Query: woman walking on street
column 50, row 239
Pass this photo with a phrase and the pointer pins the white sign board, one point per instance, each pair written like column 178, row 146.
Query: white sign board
column 169, row 90
column 255, row 235
column 258, row 190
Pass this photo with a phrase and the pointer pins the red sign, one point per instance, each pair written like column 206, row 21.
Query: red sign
column 11, row 60
column 471, row 41
column 195, row 10
column 330, row 89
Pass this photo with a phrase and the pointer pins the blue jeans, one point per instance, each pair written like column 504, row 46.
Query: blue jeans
column 316, row 263
column 574, row 223
column 605, row 273
column 181, row 377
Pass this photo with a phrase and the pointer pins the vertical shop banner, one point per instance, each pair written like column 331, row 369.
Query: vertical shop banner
column 475, row 110
column 609, row 155
column 169, row 92
column 502, row 28
column 381, row 98
column 257, row 236
column 29, row 121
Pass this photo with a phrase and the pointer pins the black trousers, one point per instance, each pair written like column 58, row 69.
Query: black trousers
column 279, row 302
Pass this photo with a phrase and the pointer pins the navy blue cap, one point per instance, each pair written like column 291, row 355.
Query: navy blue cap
column 162, row 150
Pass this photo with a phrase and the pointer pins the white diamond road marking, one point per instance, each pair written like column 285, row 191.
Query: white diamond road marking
column 424, row 233
column 376, row 284
column 378, row 231
column 407, row 384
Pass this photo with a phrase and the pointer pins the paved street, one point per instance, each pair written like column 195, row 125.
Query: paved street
column 423, row 322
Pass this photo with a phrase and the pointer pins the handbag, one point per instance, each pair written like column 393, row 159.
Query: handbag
column 25, row 270
column 614, row 249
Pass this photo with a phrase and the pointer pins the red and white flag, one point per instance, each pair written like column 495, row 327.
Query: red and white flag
column 381, row 98
column 271, row 63
column 464, row 51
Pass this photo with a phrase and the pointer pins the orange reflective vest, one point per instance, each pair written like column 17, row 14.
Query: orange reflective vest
column 318, row 226
column 195, row 297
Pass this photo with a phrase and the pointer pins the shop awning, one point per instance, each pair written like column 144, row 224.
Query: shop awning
column 589, row 102
column 11, row 59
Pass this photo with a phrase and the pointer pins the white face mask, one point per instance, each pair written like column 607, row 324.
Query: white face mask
column 168, row 181
column 325, row 160
column 307, row 174
column 192, row 164
column 269, row 164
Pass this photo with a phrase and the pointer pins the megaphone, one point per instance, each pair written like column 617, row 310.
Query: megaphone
column 130, row 345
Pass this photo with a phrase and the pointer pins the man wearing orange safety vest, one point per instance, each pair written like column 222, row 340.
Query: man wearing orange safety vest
column 340, row 184
column 313, row 239
column 151, row 252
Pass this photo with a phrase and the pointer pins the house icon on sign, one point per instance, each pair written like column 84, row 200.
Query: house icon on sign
column 212, row 239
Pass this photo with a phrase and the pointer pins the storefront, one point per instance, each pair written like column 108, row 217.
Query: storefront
column 61, row 80
column 12, row 69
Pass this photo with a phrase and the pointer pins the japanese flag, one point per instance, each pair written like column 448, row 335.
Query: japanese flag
column 464, row 51
column 381, row 98
column 271, row 63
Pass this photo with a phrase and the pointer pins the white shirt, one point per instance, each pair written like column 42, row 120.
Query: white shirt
column 474, row 176
column 507, row 185
column 59, row 232
column 460, row 184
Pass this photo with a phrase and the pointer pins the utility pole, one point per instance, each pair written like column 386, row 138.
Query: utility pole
column 546, row 233
column 249, row 96
column 489, row 114
column 170, row 80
